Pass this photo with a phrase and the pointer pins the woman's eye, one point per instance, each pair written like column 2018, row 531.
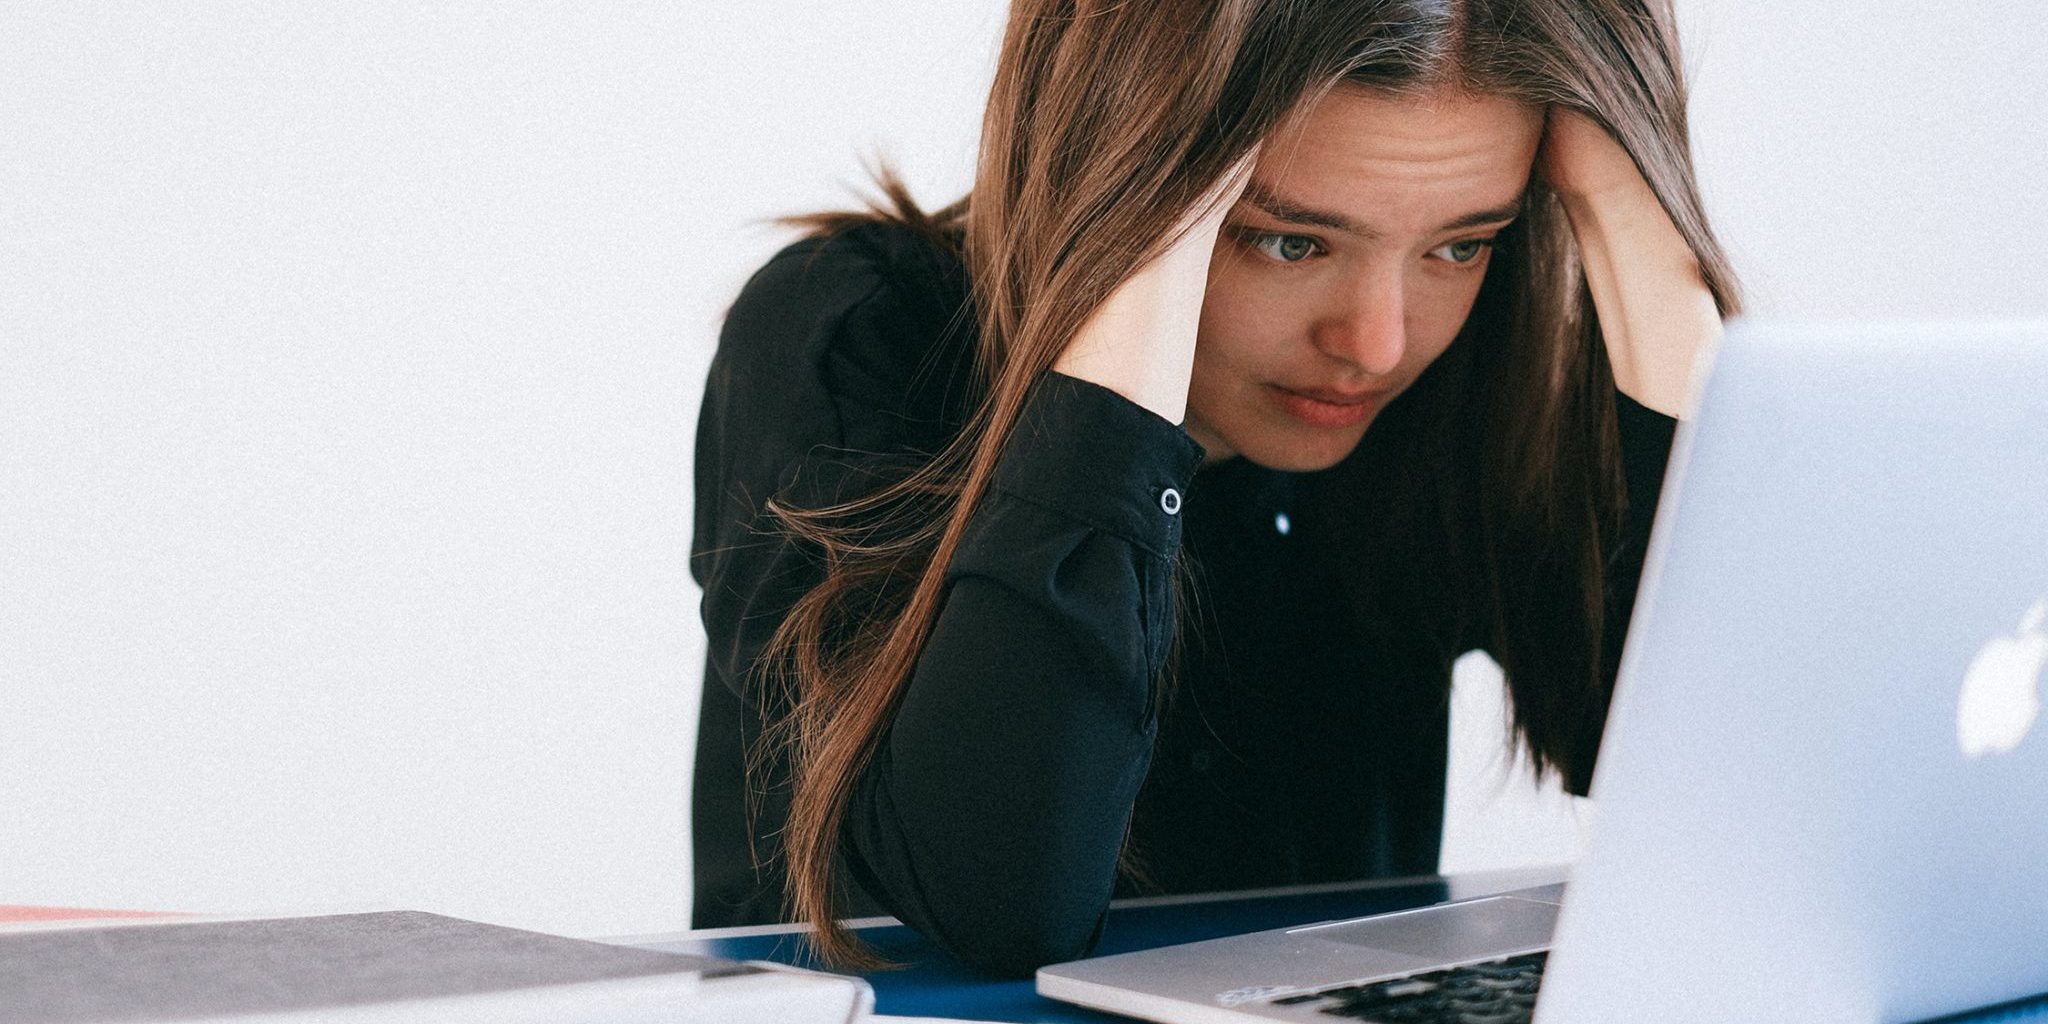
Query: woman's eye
column 1285, row 248
column 1463, row 252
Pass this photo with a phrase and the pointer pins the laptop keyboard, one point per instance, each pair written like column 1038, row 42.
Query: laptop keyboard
column 1496, row 992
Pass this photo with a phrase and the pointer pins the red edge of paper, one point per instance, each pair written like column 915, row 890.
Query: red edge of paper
column 17, row 914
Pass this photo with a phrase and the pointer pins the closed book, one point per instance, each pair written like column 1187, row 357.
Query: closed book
column 393, row 967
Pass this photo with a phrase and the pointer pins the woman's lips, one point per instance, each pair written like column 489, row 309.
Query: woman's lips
column 1328, row 410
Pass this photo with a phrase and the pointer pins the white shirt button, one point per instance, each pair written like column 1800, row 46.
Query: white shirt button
column 1169, row 500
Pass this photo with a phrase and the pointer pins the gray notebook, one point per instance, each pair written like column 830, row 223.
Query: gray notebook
column 392, row 966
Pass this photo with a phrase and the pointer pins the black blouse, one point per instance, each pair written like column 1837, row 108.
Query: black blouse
column 1299, row 743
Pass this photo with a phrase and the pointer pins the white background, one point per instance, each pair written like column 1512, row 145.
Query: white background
column 349, row 361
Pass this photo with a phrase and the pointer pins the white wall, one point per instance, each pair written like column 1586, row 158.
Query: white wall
column 1876, row 159
column 349, row 360
column 349, row 357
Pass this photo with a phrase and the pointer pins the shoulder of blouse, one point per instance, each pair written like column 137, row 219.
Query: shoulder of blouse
column 872, row 320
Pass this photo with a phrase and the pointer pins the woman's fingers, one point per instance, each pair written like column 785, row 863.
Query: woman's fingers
column 1208, row 211
column 1580, row 160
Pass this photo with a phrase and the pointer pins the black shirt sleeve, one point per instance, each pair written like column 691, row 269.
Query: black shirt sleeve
column 992, row 814
column 1646, row 437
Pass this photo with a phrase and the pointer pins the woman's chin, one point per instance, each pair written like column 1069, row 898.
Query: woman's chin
column 1299, row 450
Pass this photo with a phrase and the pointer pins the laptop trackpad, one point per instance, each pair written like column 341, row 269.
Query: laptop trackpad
column 1474, row 930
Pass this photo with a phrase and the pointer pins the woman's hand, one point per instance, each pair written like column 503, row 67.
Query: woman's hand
column 1656, row 313
column 1140, row 343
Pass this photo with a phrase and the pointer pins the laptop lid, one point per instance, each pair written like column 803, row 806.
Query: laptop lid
column 1823, row 793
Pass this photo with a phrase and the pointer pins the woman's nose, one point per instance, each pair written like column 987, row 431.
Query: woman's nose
column 1368, row 329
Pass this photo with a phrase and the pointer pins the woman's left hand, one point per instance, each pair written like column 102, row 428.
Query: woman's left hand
column 1656, row 313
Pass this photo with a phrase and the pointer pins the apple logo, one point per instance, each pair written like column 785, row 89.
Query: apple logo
column 1999, row 702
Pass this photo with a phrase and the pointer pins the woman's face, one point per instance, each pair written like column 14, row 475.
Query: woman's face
column 1349, row 266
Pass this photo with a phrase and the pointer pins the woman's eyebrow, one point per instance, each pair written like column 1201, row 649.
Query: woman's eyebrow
column 1497, row 215
column 1282, row 208
column 1288, row 210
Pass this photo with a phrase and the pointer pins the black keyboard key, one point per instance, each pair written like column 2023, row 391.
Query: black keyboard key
column 1505, row 1015
column 1496, row 992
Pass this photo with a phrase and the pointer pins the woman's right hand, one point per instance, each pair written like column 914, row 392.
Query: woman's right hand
column 1140, row 343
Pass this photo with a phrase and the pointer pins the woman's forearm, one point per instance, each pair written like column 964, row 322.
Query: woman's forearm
column 1655, row 310
column 992, row 815
column 1140, row 343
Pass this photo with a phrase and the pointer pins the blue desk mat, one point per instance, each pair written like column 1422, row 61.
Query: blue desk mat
column 930, row 984
column 933, row 985
column 2035, row 1009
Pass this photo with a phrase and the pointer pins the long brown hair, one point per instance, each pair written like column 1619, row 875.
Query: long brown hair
column 1105, row 122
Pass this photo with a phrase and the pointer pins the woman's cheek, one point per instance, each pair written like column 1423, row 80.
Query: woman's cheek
column 1439, row 312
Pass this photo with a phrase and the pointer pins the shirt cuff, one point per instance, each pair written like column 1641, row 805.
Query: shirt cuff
column 1092, row 454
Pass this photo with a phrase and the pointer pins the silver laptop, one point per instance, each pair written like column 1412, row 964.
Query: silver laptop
column 1823, row 788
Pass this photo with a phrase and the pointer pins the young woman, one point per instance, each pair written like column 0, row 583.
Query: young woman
column 1114, row 529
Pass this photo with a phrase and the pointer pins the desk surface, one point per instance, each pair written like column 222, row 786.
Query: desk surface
column 932, row 985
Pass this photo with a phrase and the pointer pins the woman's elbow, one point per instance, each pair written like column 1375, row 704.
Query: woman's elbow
column 1016, row 944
